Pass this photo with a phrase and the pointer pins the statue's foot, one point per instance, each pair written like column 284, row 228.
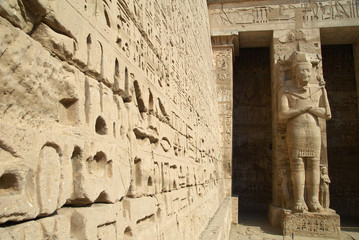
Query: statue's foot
column 315, row 206
column 300, row 206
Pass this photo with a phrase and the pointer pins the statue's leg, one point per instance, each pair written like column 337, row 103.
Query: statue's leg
column 312, row 184
column 298, row 180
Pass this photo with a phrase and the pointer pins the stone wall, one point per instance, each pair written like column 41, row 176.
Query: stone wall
column 109, row 120
column 343, row 128
column 252, row 130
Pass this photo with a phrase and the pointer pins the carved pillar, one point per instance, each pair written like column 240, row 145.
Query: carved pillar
column 223, row 50
column 284, row 43
column 289, row 173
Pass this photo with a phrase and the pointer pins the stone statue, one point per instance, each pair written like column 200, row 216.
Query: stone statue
column 324, row 187
column 301, row 103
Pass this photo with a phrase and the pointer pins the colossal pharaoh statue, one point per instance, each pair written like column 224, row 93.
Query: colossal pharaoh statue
column 301, row 104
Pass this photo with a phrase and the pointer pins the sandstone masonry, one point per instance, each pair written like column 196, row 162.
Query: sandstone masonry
column 109, row 120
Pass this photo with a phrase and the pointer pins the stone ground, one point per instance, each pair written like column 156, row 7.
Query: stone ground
column 255, row 226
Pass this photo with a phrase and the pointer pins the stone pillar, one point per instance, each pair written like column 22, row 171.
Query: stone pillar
column 223, row 50
column 289, row 47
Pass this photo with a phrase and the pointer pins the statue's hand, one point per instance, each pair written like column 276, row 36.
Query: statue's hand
column 320, row 112
column 305, row 109
column 313, row 110
column 304, row 105
column 316, row 110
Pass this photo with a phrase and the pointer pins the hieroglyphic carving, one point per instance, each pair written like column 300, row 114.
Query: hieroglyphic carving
column 49, row 179
column 316, row 225
column 223, row 60
column 137, row 120
column 331, row 10
column 318, row 11
column 223, row 69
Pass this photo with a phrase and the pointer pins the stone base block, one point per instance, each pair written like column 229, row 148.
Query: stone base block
column 311, row 224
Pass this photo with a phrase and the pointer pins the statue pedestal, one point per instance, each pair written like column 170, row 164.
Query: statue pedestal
column 326, row 224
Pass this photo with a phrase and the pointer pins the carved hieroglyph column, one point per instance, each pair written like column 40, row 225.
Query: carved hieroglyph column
column 223, row 50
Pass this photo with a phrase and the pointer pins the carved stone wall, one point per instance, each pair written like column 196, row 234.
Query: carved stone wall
column 343, row 128
column 252, row 129
column 274, row 15
column 223, row 62
column 109, row 124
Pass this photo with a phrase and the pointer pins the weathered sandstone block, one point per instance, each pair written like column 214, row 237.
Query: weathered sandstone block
column 54, row 227
column 106, row 225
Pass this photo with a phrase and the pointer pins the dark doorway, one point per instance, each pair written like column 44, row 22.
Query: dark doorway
column 252, row 129
column 342, row 129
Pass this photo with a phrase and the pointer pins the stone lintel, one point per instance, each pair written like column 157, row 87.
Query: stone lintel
column 243, row 16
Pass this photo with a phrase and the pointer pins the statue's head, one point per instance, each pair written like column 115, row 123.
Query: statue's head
column 302, row 68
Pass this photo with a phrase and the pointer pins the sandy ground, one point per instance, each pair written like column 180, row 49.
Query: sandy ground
column 255, row 226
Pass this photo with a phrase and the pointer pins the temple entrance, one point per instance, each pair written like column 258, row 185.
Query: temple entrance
column 252, row 130
column 342, row 129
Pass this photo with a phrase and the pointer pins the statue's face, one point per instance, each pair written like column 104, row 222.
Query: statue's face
column 303, row 73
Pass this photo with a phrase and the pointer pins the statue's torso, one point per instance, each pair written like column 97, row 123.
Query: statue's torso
column 303, row 131
column 298, row 99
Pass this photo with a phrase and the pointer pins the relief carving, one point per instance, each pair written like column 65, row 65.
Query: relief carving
column 324, row 187
column 307, row 12
column 106, row 76
column 49, row 173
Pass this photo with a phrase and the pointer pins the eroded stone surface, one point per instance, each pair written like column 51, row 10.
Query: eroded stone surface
column 109, row 124
column 312, row 224
column 116, row 116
